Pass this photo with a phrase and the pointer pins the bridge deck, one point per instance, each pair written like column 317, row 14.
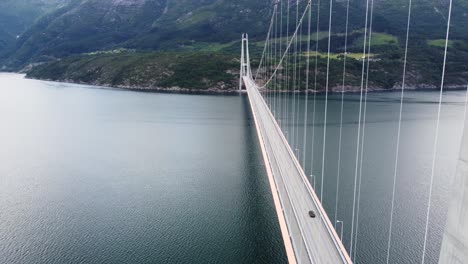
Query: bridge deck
column 313, row 240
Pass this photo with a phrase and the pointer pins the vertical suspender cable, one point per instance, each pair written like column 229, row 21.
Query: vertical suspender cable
column 270, row 64
column 397, row 152
column 264, row 53
column 294, row 37
column 288, row 47
column 294, row 82
column 266, row 66
column 281, row 61
column 306, row 89
column 278, row 55
column 341, row 113
column 267, row 75
column 287, row 69
column 436, row 139
column 326, row 102
column 315, row 89
column 359, row 129
column 269, row 61
column 363, row 129
column 275, row 61
column 282, row 70
column 297, row 110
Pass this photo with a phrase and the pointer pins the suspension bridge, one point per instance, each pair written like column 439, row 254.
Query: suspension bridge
column 308, row 233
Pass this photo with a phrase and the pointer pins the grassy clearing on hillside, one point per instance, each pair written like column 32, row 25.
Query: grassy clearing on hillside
column 440, row 43
column 383, row 39
column 378, row 39
column 283, row 40
column 194, row 19
column 209, row 46
column 336, row 56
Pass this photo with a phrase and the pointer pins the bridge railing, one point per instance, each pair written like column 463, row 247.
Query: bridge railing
column 300, row 250
column 290, row 212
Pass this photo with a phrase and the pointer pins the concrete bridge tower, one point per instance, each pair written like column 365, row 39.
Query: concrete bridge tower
column 245, row 60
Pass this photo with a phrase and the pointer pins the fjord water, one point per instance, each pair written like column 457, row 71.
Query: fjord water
column 379, row 140
column 109, row 176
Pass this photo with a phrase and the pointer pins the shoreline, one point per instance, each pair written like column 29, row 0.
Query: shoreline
column 173, row 90
column 219, row 91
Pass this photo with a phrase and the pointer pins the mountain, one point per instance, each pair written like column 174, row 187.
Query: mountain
column 92, row 25
column 75, row 31
column 16, row 16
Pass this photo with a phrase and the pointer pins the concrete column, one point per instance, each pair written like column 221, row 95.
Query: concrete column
column 242, row 62
column 455, row 242
column 247, row 53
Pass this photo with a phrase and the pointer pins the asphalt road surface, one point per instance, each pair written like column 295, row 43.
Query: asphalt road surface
column 314, row 239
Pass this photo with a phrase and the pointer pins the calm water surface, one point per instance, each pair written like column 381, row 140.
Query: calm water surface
column 379, row 139
column 108, row 176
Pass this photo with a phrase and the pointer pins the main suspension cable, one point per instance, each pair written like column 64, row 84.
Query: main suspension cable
column 265, row 46
column 289, row 44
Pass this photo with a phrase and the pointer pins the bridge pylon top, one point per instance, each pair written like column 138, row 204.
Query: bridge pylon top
column 245, row 70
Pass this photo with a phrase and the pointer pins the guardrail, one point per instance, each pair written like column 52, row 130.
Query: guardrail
column 253, row 90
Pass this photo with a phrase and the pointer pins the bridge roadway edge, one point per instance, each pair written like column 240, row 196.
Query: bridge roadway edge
column 322, row 212
column 279, row 210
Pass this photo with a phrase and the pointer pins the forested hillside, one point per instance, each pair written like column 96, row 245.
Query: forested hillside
column 84, row 28
column 16, row 16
